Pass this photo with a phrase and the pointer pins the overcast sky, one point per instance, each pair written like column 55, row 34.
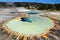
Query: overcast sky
column 40, row 1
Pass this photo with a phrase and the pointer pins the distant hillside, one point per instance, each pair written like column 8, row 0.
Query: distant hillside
column 31, row 5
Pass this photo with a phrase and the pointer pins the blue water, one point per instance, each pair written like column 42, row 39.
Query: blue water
column 33, row 12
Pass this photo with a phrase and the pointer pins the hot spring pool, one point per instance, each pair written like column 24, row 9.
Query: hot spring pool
column 38, row 25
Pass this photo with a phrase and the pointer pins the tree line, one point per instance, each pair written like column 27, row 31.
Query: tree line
column 31, row 5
